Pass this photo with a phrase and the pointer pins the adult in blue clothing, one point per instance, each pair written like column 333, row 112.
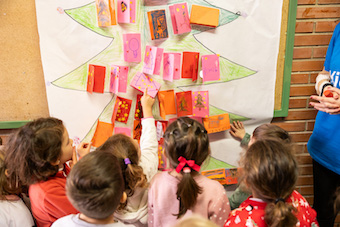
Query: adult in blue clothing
column 324, row 143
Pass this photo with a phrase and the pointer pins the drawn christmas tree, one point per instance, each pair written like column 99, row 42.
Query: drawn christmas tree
column 113, row 54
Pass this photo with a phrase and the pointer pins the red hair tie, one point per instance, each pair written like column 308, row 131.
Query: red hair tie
column 190, row 163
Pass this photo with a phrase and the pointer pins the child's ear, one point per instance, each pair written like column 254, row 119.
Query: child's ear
column 6, row 172
column 123, row 198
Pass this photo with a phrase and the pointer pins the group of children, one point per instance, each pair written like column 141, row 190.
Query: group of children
column 118, row 183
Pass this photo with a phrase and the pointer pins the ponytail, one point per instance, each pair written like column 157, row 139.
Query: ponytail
column 187, row 147
column 271, row 170
column 187, row 193
column 280, row 214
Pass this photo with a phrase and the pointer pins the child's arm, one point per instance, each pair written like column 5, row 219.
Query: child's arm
column 148, row 141
column 219, row 209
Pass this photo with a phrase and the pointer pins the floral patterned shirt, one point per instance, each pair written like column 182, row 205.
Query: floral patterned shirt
column 251, row 213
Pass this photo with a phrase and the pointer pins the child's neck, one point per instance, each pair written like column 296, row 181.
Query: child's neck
column 107, row 220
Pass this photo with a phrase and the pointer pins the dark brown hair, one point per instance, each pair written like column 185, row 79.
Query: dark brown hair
column 123, row 147
column 271, row 131
column 95, row 185
column 32, row 148
column 8, row 186
column 188, row 138
column 271, row 170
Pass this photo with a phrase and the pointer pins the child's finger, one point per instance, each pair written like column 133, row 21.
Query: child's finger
column 146, row 91
column 74, row 157
column 232, row 127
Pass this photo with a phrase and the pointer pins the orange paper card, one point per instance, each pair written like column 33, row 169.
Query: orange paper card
column 103, row 132
column 203, row 15
column 184, row 103
column 217, row 123
column 157, row 24
column 106, row 13
column 167, row 101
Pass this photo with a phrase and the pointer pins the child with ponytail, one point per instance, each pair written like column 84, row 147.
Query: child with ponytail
column 183, row 191
column 270, row 170
column 138, row 166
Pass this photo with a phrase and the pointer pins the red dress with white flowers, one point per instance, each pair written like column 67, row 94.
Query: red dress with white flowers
column 251, row 213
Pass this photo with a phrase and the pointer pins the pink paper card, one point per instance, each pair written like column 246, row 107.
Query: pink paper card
column 140, row 81
column 123, row 130
column 210, row 67
column 133, row 11
column 200, row 103
column 152, row 60
column 132, row 47
column 158, row 61
column 114, row 79
column 177, row 72
column 118, row 81
column 171, row 66
column 126, row 11
column 180, row 18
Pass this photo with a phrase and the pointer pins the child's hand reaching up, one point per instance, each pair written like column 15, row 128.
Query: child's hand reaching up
column 147, row 102
column 237, row 130
column 82, row 149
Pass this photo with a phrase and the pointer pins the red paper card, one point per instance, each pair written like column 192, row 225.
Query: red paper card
column 96, row 78
column 200, row 101
column 103, row 132
column 139, row 109
column 124, row 106
column 137, row 129
column 184, row 103
column 190, row 65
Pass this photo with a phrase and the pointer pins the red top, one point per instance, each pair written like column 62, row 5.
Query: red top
column 48, row 199
column 251, row 213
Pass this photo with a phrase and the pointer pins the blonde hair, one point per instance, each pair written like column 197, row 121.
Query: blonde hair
column 195, row 221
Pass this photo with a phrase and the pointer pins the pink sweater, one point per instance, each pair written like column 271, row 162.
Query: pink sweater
column 212, row 203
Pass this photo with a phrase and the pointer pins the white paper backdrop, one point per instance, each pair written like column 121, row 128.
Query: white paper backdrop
column 251, row 40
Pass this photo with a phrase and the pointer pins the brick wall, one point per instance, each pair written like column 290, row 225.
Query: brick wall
column 315, row 22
